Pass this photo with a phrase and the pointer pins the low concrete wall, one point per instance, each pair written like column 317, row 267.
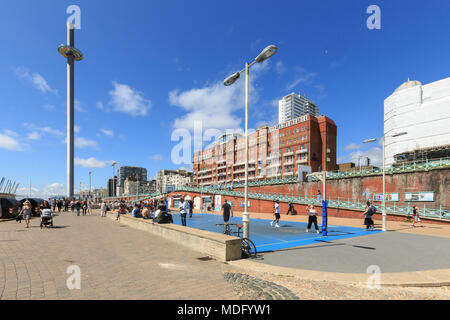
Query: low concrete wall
column 219, row 246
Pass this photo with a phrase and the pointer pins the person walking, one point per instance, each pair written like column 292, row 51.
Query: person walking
column 368, row 213
column 25, row 212
column 312, row 218
column 59, row 205
column 84, row 207
column 416, row 217
column 276, row 214
column 66, row 205
column 291, row 208
column 53, row 203
column 226, row 215
column 191, row 208
column 77, row 206
column 183, row 210
column 103, row 209
column 89, row 208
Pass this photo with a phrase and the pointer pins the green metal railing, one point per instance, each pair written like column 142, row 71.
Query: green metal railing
column 339, row 203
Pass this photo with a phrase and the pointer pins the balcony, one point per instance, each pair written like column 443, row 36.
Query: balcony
column 287, row 154
column 328, row 150
column 301, row 161
column 286, row 163
column 301, row 151
column 288, row 174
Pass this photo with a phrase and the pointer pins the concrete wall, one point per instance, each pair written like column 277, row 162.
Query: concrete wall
column 219, row 246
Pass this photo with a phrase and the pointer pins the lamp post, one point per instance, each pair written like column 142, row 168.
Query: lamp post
column 268, row 52
column 383, row 138
column 113, row 187
column 90, row 196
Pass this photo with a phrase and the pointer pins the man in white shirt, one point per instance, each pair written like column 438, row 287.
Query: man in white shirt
column 276, row 214
column 183, row 210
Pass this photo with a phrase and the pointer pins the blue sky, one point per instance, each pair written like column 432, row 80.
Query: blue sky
column 152, row 67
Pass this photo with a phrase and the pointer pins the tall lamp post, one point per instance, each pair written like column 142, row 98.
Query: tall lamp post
column 268, row 52
column 90, row 196
column 113, row 193
column 383, row 138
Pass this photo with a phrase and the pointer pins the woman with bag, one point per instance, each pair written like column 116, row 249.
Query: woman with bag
column 25, row 212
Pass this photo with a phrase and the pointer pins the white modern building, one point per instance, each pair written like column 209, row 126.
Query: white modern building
column 423, row 111
column 172, row 179
column 295, row 105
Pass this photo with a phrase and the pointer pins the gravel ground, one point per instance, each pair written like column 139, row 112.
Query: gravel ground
column 276, row 287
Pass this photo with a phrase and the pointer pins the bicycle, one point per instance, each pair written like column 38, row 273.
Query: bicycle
column 248, row 248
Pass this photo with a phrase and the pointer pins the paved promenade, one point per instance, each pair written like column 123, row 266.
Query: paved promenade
column 115, row 263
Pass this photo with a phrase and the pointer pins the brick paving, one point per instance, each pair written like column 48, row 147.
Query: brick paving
column 116, row 262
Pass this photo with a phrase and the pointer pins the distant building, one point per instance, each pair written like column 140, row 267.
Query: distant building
column 423, row 112
column 172, row 179
column 274, row 152
column 151, row 186
column 346, row 166
column 112, row 185
column 295, row 105
column 124, row 172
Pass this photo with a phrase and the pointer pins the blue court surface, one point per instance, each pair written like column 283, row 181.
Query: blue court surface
column 266, row 238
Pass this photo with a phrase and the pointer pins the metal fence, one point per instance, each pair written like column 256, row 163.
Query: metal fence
column 338, row 203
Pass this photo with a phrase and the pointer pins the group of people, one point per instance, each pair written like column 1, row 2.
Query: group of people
column 149, row 209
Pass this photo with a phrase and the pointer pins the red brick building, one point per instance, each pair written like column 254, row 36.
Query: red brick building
column 274, row 152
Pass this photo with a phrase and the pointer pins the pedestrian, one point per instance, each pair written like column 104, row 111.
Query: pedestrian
column 276, row 214
column 120, row 211
column 77, row 206
column 312, row 218
column 53, row 202
column 103, row 209
column 89, row 208
column 59, row 205
column 416, row 217
column 66, row 205
column 136, row 213
column 291, row 208
column 183, row 210
column 25, row 212
column 191, row 208
column 226, row 215
column 368, row 213
column 72, row 204
column 84, row 207
column 319, row 195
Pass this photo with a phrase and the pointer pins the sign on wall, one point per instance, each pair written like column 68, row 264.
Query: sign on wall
column 390, row 196
column 218, row 203
column 242, row 204
column 419, row 196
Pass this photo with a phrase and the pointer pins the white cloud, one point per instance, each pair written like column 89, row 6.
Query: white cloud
column 352, row 146
column 10, row 133
column 215, row 104
column 78, row 107
column 90, row 163
column 36, row 79
column 9, row 143
column 108, row 133
column 375, row 155
column 156, row 157
column 301, row 77
column 76, row 129
column 52, row 131
column 34, row 136
column 85, row 143
column 127, row 100
column 280, row 68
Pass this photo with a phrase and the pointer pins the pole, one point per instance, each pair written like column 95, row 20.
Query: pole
column 70, row 112
column 245, row 215
column 90, row 185
column 384, row 188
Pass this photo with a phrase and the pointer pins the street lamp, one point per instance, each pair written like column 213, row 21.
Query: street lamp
column 268, row 52
column 384, row 172
column 113, row 187
column 90, row 196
